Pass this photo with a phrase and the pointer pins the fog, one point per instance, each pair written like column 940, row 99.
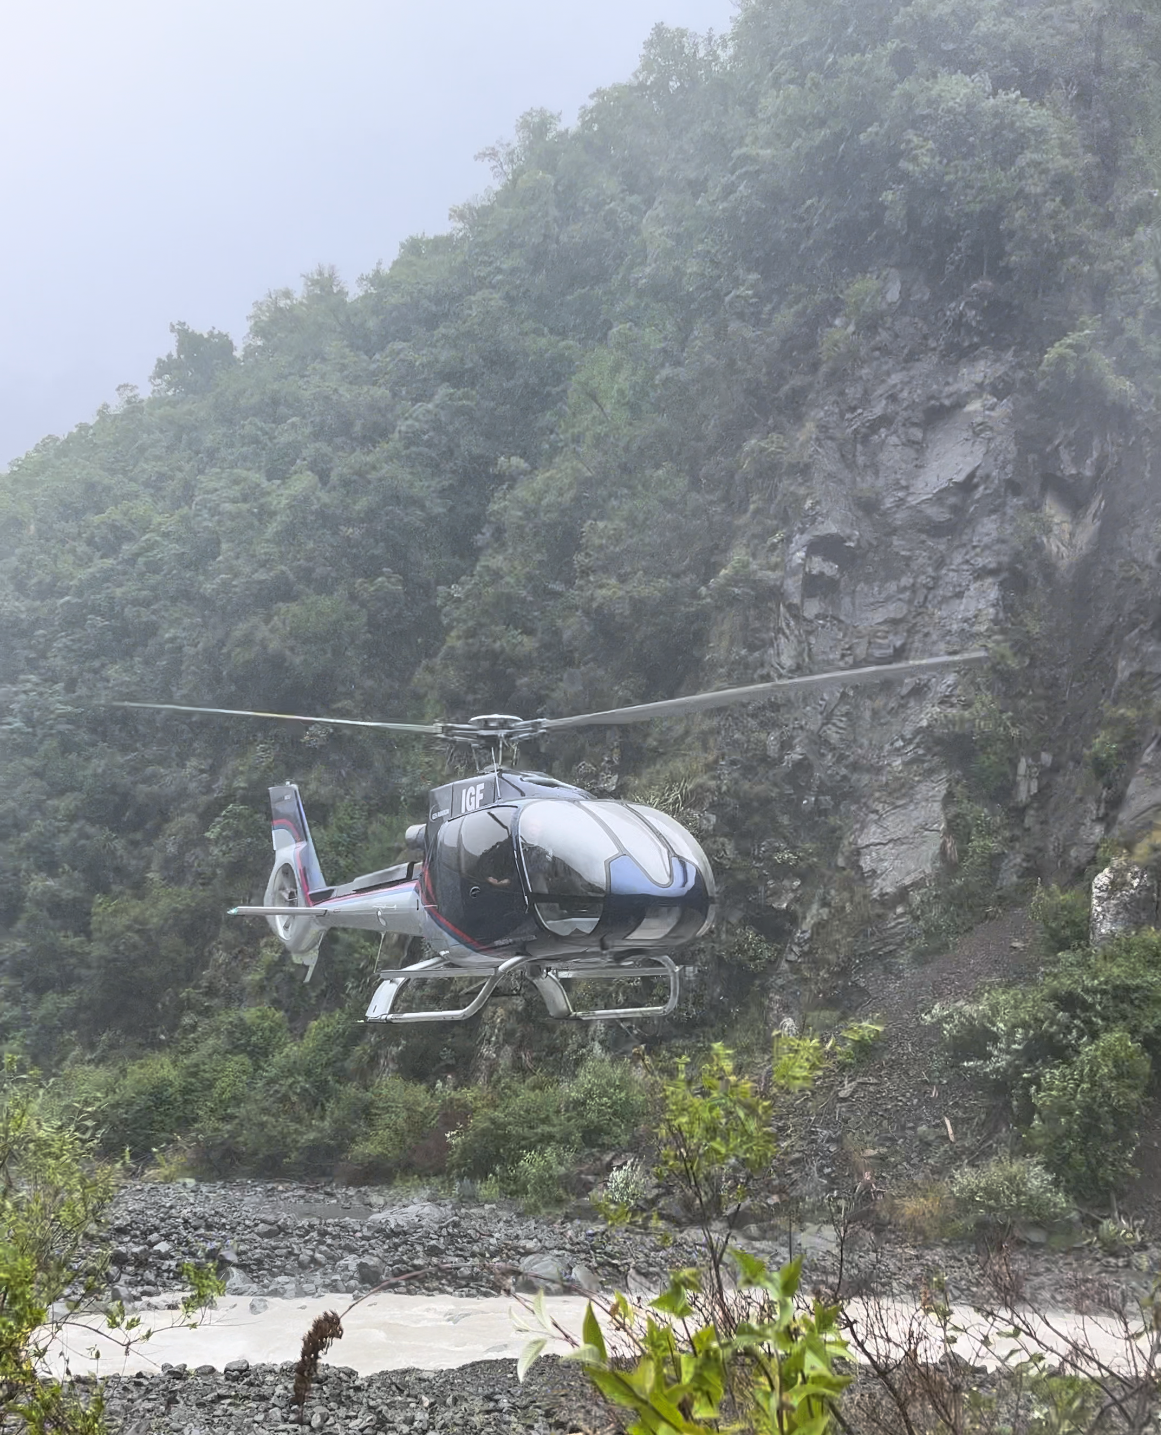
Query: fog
column 176, row 162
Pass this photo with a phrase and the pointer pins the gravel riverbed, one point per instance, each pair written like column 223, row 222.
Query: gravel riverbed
column 298, row 1241
column 484, row 1398
column 289, row 1241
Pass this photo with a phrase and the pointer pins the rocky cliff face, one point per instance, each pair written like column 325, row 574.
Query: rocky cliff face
column 947, row 501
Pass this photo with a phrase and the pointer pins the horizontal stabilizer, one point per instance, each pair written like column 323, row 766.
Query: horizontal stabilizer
column 276, row 911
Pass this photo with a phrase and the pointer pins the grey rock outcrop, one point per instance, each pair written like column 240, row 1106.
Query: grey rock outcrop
column 1124, row 897
column 898, row 840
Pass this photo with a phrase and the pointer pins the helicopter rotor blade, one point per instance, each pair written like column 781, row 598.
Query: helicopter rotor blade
column 431, row 729
column 724, row 697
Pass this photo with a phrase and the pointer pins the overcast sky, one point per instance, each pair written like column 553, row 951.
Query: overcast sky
column 177, row 159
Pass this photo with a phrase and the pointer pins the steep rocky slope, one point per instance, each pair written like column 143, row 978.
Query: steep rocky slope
column 946, row 502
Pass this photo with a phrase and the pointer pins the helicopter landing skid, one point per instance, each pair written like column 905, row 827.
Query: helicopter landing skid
column 549, row 982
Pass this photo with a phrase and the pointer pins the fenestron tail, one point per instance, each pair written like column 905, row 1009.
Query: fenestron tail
column 296, row 875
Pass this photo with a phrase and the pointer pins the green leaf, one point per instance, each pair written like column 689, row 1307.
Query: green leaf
column 592, row 1333
column 529, row 1355
column 674, row 1299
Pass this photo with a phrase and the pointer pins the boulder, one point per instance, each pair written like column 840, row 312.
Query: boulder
column 1124, row 897
column 583, row 1279
column 238, row 1282
column 541, row 1272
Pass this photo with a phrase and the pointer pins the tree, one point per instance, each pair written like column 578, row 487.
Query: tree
column 52, row 1192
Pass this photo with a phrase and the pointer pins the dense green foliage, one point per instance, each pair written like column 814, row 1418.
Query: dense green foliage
column 1074, row 1054
column 241, row 1095
column 1063, row 917
column 543, row 462
column 51, row 1193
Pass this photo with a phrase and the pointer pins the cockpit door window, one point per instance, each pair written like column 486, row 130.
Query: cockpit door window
column 476, row 878
column 487, row 853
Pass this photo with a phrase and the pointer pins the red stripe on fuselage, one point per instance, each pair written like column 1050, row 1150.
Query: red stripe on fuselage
column 427, row 897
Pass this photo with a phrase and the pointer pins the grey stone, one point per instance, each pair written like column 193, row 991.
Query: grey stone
column 236, row 1367
column 815, row 1238
column 761, row 1231
column 238, row 1282
column 258, row 1305
column 584, row 1279
column 369, row 1272
column 1124, row 897
column 382, row 1220
column 542, row 1272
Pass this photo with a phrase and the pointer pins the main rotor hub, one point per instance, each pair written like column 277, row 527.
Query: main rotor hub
column 491, row 733
column 495, row 722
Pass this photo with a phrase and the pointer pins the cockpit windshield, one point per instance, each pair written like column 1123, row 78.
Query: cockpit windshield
column 566, row 854
column 682, row 842
column 637, row 838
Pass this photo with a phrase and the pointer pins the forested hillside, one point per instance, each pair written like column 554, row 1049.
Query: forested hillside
column 810, row 344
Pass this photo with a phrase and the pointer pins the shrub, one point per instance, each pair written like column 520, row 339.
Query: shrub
column 605, row 1103
column 1072, row 1054
column 719, row 1347
column 515, row 1117
column 303, row 1111
column 400, row 1114
column 228, row 1089
column 536, row 1178
column 928, row 1214
column 1014, row 1034
column 1063, row 917
column 1008, row 1189
column 961, row 898
column 626, row 1185
column 1088, row 1114
column 146, row 1106
column 52, row 1192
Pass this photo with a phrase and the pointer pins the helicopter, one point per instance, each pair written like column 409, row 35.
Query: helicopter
column 516, row 873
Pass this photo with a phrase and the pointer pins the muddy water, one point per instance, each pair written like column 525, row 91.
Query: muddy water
column 384, row 1332
column 395, row 1332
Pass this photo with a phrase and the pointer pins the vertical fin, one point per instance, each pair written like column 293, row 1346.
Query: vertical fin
column 289, row 829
